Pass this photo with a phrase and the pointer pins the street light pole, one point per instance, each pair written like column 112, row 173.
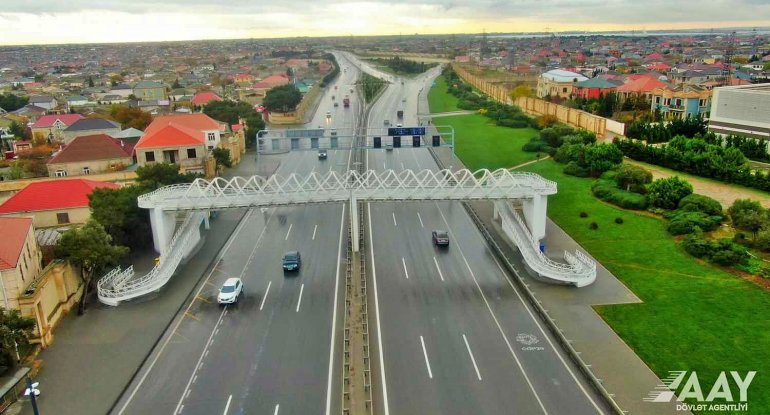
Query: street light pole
column 32, row 391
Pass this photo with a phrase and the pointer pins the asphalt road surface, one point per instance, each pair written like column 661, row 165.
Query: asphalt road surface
column 455, row 337
column 276, row 351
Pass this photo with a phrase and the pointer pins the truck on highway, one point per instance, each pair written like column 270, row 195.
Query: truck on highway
column 400, row 114
column 346, row 102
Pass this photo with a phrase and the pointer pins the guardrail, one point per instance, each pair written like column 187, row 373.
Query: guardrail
column 554, row 329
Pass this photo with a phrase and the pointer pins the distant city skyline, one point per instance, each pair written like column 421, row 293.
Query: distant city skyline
column 105, row 21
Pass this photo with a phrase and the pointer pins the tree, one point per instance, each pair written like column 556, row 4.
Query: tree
column 748, row 215
column 14, row 331
column 90, row 248
column 632, row 178
column 666, row 193
column 522, row 90
column 162, row 174
column 176, row 84
column 17, row 130
column 118, row 211
column 766, row 66
column 602, row 157
column 283, row 98
column 229, row 112
column 11, row 102
column 129, row 117
column 90, row 81
column 222, row 157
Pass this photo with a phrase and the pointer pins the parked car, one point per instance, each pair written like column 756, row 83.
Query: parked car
column 230, row 291
column 321, row 154
column 292, row 261
column 440, row 238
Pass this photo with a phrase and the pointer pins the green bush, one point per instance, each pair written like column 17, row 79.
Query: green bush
column 573, row 169
column 685, row 222
column 696, row 245
column 537, row 145
column 607, row 191
column 699, row 203
column 583, row 214
column 632, row 178
column 594, row 226
column 726, row 252
column 570, row 152
column 762, row 241
column 619, row 221
column 666, row 193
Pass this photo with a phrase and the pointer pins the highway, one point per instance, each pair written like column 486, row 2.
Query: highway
column 277, row 350
column 454, row 335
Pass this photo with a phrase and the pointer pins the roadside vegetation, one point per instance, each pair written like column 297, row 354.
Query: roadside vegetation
column 670, row 246
column 400, row 66
column 371, row 86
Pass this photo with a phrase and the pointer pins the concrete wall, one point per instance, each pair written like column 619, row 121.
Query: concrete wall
column 56, row 291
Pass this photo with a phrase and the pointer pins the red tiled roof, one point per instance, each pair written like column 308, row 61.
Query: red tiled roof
column 15, row 232
column 198, row 122
column 236, row 127
column 276, row 80
column 203, row 98
column 171, row 135
column 261, row 85
column 53, row 194
column 48, row 120
column 92, row 147
column 642, row 84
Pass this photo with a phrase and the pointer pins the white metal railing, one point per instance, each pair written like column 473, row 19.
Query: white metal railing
column 116, row 287
column 370, row 185
column 579, row 270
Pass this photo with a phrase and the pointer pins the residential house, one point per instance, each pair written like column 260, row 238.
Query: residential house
column 76, row 101
column 639, row 85
column 130, row 135
column 91, row 154
column 243, row 79
column 90, row 126
column 558, row 83
column 124, row 90
column 20, row 259
column 30, row 112
column 150, row 91
column 202, row 98
column 43, row 101
column 594, row 88
column 52, row 126
column 110, row 99
column 183, row 139
column 681, row 101
column 44, row 294
column 54, row 202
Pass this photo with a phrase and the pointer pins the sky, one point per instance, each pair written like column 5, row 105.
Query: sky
column 93, row 21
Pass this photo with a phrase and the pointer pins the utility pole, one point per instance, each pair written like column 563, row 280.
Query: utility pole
column 729, row 52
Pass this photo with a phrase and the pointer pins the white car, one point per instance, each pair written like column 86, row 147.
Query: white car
column 230, row 291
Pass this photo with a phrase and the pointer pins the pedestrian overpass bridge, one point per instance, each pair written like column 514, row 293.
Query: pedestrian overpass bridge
column 175, row 243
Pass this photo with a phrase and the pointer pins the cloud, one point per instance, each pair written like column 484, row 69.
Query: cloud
column 45, row 21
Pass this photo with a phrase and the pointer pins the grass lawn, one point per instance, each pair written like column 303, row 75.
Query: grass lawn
column 439, row 99
column 693, row 317
column 482, row 144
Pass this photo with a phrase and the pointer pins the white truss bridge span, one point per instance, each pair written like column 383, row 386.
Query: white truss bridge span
column 333, row 187
column 202, row 196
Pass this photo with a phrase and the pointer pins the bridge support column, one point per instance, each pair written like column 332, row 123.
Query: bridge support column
column 206, row 224
column 163, row 224
column 354, row 225
column 534, row 214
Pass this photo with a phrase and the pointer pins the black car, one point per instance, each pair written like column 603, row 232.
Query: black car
column 440, row 238
column 292, row 261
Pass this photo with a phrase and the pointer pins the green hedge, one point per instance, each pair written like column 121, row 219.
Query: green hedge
column 607, row 190
column 686, row 222
column 700, row 203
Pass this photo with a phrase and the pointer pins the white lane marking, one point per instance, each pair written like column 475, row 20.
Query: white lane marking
column 276, row 409
column 384, row 166
column 200, row 361
column 394, row 219
column 187, row 395
column 470, row 353
column 420, row 218
column 497, row 323
column 377, row 314
column 403, row 262
column 427, row 362
column 315, row 228
column 195, row 378
column 299, row 301
column 414, row 155
column 334, row 318
column 168, row 339
column 267, row 291
column 439, row 269
column 548, row 339
column 402, row 166
column 180, row 410
column 228, row 405
column 288, row 232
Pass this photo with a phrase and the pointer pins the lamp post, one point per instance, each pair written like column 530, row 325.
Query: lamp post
column 33, row 392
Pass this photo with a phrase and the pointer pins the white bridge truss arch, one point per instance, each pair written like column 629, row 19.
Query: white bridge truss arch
column 203, row 195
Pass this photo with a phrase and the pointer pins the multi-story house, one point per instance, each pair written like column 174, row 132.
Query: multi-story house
column 681, row 101
column 183, row 139
column 19, row 259
column 558, row 83
column 90, row 126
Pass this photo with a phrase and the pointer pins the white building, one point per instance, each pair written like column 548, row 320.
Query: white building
column 743, row 110
column 558, row 83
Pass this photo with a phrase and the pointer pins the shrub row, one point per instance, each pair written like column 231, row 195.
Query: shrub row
column 608, row 191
